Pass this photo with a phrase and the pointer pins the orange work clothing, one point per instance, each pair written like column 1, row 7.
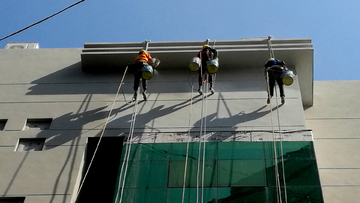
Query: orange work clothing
column 144, row 56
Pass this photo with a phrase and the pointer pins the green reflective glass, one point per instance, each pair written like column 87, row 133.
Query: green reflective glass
column 146, row 174
column 240, row 150
column 159, row 151
column 298, row 172
column 241, row 173
column 296, row 194
column 233, row 172
column 290, row 150
column 142, row 196
column 191, row 194
column 242, row 194
column 179, row 151
column 193, row 175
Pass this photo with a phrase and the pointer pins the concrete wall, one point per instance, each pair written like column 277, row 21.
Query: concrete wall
column 334, row 119
column 49, row 83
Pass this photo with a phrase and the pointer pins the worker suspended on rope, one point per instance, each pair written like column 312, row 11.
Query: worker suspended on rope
column 274, row 72
column 206, row 54
column 140, row 61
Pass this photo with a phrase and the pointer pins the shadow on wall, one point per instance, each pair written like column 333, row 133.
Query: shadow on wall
column 72, row 80
column 232, row 121
column 75, row 121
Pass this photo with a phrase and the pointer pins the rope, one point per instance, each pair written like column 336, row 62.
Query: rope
column 204, row 143
column 199, row 149
column 125, row 164
column 281, row 147
column 278, row 184
column 188, row 141
column 278, row 189
column 41, row 20
column 102, row 133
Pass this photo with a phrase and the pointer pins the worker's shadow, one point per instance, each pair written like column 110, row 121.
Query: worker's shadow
column 143, row 121
column 74, row 123
column 231, row 123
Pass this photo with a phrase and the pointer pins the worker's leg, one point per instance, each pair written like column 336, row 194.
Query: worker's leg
column 281, row 88
column 271, row 85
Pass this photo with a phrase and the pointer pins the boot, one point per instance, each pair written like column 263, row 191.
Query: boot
column 134, row 97
column 144, row 96
column 200, row 91
column 268, row 100
column 212, row 90
column 282, row 99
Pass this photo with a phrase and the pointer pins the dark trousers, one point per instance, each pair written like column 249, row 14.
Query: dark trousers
column 138, row 76
column 202, row 73
column 278, row 78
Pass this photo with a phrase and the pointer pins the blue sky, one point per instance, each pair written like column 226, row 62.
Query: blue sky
column 333, row 26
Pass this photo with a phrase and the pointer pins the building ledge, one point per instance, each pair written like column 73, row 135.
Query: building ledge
column 244, row 53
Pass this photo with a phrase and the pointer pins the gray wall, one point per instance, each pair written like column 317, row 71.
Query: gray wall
column 49, row 83
column 335, row 119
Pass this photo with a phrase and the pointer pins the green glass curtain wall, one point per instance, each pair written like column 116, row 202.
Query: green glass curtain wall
column 233, row 172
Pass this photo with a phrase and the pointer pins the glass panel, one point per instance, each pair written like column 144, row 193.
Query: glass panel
column 298, row 150
column 147, row 174
column 297, row 194
column 143, row 196
column 176, row 177
column 241, row 173
column 304, row 194
column 298, row 172
column 179, row 151
column 242, row 194
column 148, row 152
column 240, row 150
column 301, row 173
column 291, row 150
column 175, row 195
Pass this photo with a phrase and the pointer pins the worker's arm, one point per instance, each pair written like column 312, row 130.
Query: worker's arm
column 215, row 53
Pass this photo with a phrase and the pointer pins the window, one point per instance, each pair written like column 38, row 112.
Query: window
column 2, row 123
column 38, row 124
column 30, row 144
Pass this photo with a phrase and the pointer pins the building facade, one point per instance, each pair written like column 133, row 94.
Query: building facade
column 70, row 133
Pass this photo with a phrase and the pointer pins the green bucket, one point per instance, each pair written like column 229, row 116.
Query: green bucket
column 147, row 72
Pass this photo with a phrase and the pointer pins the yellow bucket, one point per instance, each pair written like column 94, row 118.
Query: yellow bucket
column 212, row 66
column 195, row 64
column 147, row 72
column 288, row 77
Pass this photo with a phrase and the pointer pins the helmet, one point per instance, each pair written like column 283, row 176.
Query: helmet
column 141, row 51
column 205, row 46
column 271, row 59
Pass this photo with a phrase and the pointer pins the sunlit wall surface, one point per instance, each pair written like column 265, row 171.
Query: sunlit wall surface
column 232, row 171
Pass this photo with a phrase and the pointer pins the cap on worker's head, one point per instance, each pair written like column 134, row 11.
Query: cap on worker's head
column 271, row 59
column 141, row 51
column 205, row 46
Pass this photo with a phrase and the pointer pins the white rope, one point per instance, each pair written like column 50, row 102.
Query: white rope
column 281, row 147
column 204, row 143
column 277, row 180
column 200, row 135
column 199, row 149
column 272, row 55
column 188, row 141
column 102, row 133
column 125, row 164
